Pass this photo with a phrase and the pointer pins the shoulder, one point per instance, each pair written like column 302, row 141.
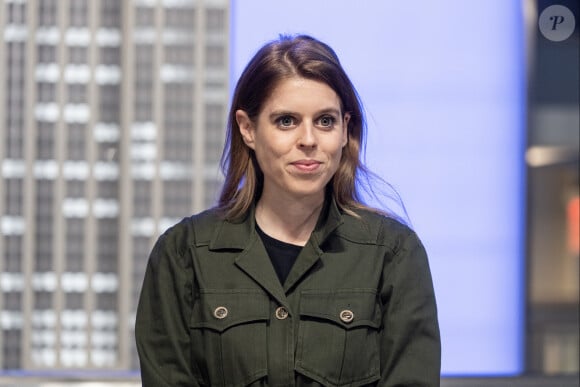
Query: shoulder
column 370, row 227
column 189, row 231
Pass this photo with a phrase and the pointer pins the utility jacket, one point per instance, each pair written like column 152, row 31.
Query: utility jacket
column 356, row 309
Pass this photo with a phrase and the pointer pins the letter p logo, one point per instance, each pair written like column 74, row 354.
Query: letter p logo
column 556, row 23
column 556, row 20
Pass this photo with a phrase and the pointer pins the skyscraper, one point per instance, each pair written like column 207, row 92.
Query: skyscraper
column 112, row 120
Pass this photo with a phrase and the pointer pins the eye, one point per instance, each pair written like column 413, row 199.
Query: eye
column 285, row 121
column 326, row 121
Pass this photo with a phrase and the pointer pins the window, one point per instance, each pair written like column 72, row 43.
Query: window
column 183, row 18
column 77, row 93
column 109, row 103
column 141, row 198
column 45, row 135
column 12, row 351
column 215, row 131
column 215, row 56
column 43, row 300
column 15, row 108
column 110, row 55
column 180, row 54
column 14, row 195
column 47, row 13
column 44, row 225
column 12, row 254
column 107, row 301
column 75, row 189
column 108, row 151
column 144, row 99
column 75, row 238
column 78, row 13
column 144, row 17
column 111, row 13
column 107, row 189
column 16, row 13
column 74, row 301
column 76, row 139
column 177, row 198
column 46, row 53
column 107, row 241
column 178, row 122
column 78, row 55
column 215, row 20
column 212, row 192
column 12, row 301
column 141, row 249
column 46, row 92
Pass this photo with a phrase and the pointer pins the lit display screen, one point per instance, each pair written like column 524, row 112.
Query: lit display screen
column 443, row 87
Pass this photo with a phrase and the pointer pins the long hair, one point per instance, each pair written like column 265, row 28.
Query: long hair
column 291, row 56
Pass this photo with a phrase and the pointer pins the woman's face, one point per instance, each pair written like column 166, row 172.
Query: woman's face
column 297, row 138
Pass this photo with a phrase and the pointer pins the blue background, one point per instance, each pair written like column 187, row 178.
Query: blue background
column 443, row 86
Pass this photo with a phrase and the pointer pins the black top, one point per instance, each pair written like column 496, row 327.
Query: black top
column 282, row 254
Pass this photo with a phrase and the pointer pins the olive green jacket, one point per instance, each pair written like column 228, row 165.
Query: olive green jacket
column 357, row 308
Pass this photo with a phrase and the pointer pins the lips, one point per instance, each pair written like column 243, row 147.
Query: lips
column 306, row 165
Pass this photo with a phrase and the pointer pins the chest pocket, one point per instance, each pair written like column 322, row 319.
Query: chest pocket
column 228, row 330
column 338, row 340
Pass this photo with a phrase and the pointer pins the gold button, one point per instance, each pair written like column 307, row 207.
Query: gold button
column 281, row 313
column 346, row 316
column 220, row 312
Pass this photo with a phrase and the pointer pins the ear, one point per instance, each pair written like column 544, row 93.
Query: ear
column 246, row 128
column 346, row 120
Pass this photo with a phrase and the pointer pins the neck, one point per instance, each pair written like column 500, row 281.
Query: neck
column 290, row 220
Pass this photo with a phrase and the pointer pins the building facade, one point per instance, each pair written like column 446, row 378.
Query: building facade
column 112, row 121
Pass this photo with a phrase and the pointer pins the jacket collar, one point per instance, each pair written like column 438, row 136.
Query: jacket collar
column 254, row 260
column 238, row 235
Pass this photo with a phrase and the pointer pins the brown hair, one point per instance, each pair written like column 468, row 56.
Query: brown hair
column 290, row 56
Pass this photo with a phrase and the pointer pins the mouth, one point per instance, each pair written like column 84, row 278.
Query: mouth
column 306, row 165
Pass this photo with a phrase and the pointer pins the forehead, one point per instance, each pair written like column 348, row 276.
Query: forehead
column 301, row 93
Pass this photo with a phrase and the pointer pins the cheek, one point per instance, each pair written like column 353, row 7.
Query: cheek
column 274, row 146
column 338, row 157
column 267, row 156
column 339, row 147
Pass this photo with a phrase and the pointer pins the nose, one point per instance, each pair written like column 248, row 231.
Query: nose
column 307, row 136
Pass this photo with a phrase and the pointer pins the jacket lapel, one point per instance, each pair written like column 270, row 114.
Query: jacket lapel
column 253, row 259
column 255, row 262
column 330, row 218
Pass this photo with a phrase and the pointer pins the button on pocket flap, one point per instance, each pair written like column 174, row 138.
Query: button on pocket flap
column 222, row 309
column 348, row 308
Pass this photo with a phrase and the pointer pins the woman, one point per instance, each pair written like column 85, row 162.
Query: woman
column 291, row 280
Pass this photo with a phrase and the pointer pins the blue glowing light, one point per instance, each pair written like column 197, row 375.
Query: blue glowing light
column 442, row 83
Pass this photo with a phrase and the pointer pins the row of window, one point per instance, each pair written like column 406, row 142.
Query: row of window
column 48, row 12
column 99, row 320
column 13, row 189
column 48, row 170
column 48, row 53
column 175, row 204
column 78, row 15
column 181, row 53
column 74, row 338
column 74, row 302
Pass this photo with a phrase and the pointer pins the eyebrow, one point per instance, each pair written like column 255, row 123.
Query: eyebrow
column 278, row 113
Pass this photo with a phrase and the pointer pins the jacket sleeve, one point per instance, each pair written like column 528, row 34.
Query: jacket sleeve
column 163, row 314
column 410, row 340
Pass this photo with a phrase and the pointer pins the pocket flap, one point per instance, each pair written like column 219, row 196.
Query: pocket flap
column 222, row 309
column 349, row 308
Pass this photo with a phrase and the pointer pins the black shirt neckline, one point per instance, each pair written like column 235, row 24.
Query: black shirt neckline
column 282, row 254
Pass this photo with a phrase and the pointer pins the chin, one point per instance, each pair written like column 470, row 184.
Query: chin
column 306, row 191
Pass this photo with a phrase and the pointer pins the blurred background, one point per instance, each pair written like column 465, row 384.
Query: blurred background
column 112, row 122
